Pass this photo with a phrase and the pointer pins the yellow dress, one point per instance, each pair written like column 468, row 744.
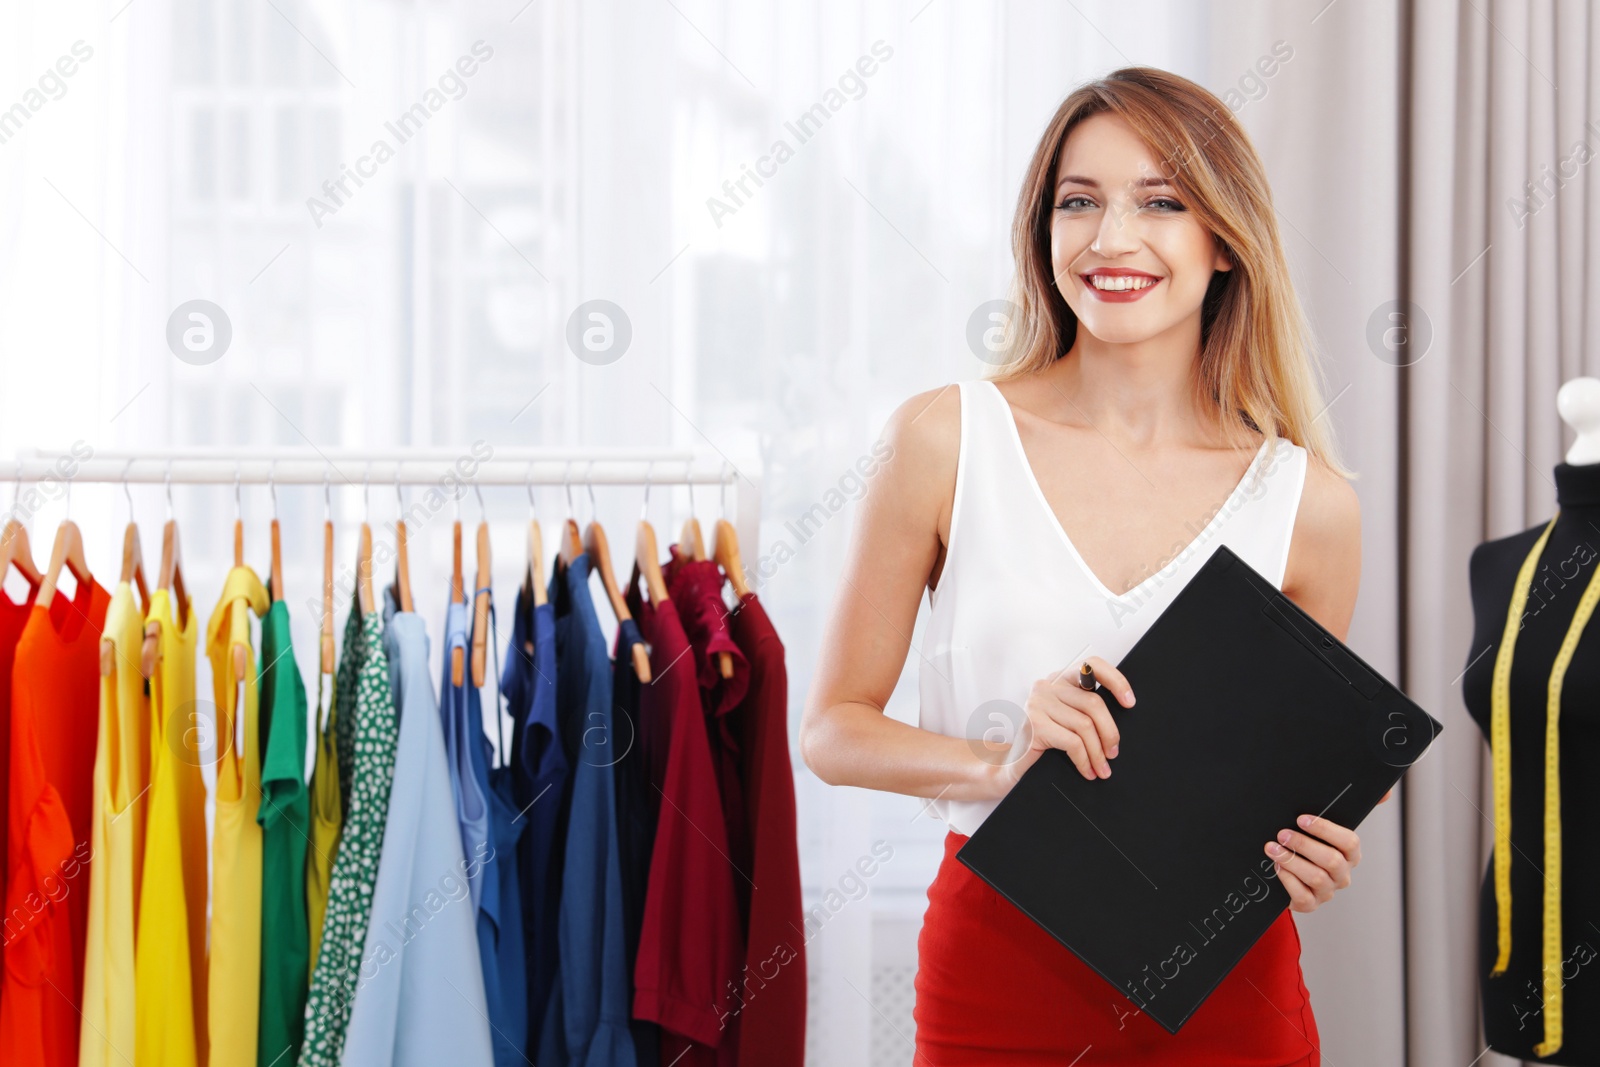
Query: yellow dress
column 170, row 960
column 121, row 780
column 235, row 977
column 327, row 819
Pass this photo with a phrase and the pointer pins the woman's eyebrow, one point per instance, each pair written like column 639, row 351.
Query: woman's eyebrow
column 1141, row 183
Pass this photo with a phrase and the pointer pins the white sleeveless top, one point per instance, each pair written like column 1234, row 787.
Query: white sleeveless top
column 1015, row 601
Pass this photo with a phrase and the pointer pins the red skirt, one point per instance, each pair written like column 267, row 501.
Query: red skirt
column 994, row 989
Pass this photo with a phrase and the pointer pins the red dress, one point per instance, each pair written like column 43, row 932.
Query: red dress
column 55, row 718
column 993, row 989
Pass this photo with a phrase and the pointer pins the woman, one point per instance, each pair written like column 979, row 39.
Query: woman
column 1155, row 329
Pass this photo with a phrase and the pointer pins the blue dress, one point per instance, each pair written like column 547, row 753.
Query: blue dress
column 637, row 808
column 586, row 1023
column 500, row 939
column 419, row 999
column 539, row 786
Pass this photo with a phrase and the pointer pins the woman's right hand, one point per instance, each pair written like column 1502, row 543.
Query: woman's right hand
column 1060, row 713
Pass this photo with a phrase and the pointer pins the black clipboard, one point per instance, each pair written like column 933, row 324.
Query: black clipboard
column 1248, row 713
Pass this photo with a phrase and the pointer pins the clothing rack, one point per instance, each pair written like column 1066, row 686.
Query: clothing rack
column 737, row 499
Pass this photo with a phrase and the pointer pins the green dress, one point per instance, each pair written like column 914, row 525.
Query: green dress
column 366, row 743
column 285, row 817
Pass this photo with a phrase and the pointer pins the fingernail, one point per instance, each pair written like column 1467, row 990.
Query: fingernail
column 1275, row 849
column 1128, row 696
column 1112, row 751
column 1105, row 772
column 1306, row 821
column 1283, row 835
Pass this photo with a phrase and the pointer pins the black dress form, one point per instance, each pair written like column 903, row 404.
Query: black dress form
column 1513, row 1014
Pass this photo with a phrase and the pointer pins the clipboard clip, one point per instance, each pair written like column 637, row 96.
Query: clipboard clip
column 1301, row 627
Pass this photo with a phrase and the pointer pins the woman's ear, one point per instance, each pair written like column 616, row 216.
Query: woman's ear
column 1223, row 260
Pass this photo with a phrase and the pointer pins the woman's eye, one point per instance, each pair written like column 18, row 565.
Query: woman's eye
column 1075, row 203
column 1165, row 203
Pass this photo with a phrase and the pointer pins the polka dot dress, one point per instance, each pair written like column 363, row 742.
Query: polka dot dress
column 366, row 774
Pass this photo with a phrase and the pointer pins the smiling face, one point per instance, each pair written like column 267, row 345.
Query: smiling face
column 1129, row 258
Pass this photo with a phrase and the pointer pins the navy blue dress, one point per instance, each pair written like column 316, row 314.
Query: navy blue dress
column 636, row 818
column 538, row 789
column 586, row 1022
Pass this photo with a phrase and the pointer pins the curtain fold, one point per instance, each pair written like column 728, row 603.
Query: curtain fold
column 1496, row 255
column 1430, row 165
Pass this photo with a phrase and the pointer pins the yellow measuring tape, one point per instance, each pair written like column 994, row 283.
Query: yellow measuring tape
column 1500, row 737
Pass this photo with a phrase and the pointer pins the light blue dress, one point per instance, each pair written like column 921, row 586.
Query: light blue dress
column 420, row 999
column 461, row 711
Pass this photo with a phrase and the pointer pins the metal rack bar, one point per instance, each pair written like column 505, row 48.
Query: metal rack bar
column 518, row 467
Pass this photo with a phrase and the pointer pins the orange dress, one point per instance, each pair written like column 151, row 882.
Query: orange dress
column 55, row 717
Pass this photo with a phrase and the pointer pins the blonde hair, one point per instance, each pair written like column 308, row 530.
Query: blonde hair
column 1256, row 355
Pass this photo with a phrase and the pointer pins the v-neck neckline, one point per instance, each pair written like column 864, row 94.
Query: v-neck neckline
column 1061, row 531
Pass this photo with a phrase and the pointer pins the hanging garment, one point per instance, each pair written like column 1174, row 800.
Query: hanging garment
column 367, row 735
column 234, row 1005
column 13, row 617
column 419, row 1001
column 636, row 808
column 539, row 788
column 772, row 1014
column 585, row 1023
column 285, row 820
column 55, row 708
column 121, row 779
column 327, row 817
column 689, row 944
column 170, row 973
column 500, row 937
column 994, row 628
column 462, row 714
column 695, row 586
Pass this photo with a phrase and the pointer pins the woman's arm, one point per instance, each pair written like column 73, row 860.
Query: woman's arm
column 1323, row 575
column 845, row 737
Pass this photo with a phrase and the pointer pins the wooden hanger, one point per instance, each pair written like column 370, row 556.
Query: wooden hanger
column 458, row 595
column 132, row 552
column 238, row 520
column 15, row 550
column 364, row 598
column 327, row 578
column 571, row 537
column 132, row 573
column 600, row 555
column 480, row 598
column 275, row 569
column 646, row 557
column 728, row 557
column 402, row 561
column 534, row 582
column 648, row 560
column 169, row 578
column 67, row 552
column 691, row 545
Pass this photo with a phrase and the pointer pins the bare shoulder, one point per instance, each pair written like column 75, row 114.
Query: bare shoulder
column 923, row 439
column 1323, row 574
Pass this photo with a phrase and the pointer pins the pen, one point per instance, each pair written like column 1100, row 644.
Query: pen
column 1086, row 678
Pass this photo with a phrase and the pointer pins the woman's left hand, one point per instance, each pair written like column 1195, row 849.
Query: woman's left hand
column 1311, row 867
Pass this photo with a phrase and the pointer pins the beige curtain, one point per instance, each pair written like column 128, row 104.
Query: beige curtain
column 1449, row 298
column 1498, row 95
